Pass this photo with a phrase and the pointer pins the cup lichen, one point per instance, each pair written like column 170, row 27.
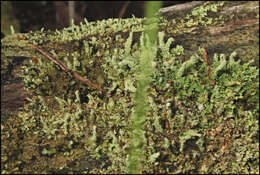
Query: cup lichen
column 187, row 115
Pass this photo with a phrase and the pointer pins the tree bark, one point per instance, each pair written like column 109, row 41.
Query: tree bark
column 233, row 27
column 237, row 31
column 219, row 27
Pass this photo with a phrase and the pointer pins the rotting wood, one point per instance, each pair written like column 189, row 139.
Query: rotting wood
column 237, row 32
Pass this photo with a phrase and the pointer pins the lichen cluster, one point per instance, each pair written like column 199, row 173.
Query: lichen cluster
column 193, row 126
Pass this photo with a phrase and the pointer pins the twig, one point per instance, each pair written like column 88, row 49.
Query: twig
column 206, row 59
column 167, row 123
column 121, row 14
column 61, row 64
column 64, row 68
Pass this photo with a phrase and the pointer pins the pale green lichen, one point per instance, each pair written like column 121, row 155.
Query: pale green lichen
column 221, row 120
column 185, row 66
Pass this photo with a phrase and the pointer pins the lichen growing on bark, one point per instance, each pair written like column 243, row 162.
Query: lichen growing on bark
column 193, row 126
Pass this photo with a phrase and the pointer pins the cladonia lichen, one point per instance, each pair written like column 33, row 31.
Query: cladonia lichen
column 192, row 125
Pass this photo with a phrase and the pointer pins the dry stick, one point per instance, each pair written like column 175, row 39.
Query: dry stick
column 121, row 14
column 64, row 68
column 206, row 59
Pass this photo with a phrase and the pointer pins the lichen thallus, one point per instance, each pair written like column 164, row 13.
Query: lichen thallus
column 66, row 69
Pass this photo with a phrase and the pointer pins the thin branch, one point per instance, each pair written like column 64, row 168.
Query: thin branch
column 206, row 59
column 61, row 64
column 64, row 68
column 122, row 12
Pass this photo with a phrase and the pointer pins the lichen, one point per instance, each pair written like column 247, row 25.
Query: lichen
column 192, row 126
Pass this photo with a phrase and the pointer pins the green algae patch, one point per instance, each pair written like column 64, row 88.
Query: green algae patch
column 202, row 117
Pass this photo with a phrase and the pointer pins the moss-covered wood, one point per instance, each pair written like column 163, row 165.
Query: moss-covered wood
column 220, row 26
column 204, row 100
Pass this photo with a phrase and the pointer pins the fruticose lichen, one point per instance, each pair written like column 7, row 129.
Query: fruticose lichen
column 192, row 125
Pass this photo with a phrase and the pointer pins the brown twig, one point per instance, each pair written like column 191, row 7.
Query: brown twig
column 49, row 56
column 206, row 59
column 64, row 68
column 167, row 123
column 122, row 12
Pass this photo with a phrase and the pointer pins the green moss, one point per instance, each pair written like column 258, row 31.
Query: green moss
column 192, row 126
column 180, row 92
